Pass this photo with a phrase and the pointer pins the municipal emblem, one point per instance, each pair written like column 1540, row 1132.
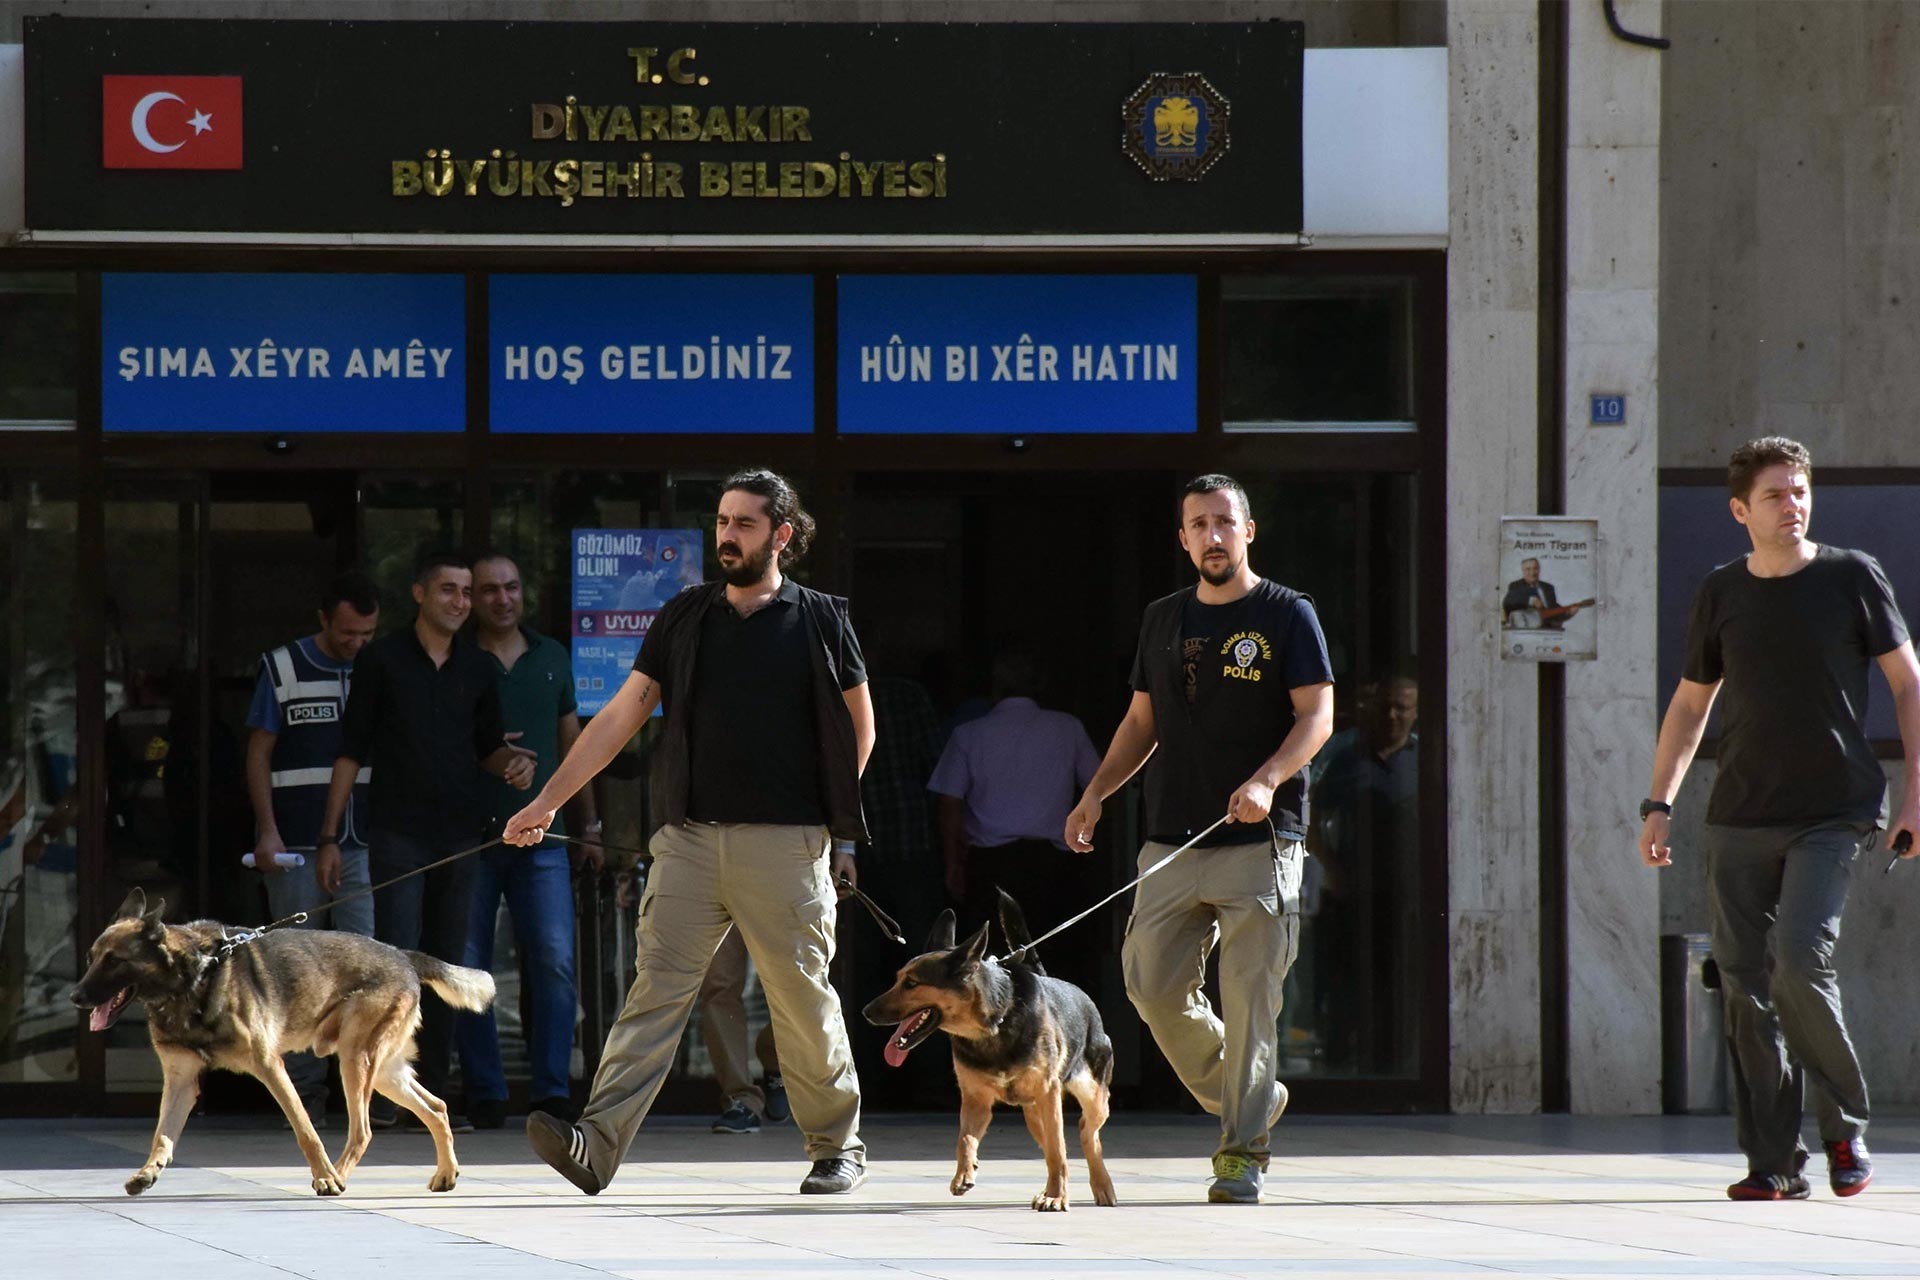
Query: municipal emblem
column 1175, row 126
column 1245, row 652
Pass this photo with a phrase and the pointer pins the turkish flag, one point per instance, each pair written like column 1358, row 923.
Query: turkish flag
column 170, row 122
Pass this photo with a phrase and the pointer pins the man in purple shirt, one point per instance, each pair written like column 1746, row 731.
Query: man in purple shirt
column 1006, row 783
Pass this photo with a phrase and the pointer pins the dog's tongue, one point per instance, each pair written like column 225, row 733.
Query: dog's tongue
column 103, row 1014
column 893, row 1053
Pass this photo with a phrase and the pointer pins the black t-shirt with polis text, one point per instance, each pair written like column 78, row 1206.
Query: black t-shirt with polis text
column 1793, row 653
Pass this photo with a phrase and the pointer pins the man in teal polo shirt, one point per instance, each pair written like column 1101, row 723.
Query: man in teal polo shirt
column 537, row 707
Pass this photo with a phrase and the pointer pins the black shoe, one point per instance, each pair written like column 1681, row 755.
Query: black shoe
column 561, row 1108
column 775, row 1090
column 1849, row 1168
column 832, row 1176
column 488, row 1113
column 383, row 1117
column 563, row 1146
column 737, row 1119
column 1770, row 1186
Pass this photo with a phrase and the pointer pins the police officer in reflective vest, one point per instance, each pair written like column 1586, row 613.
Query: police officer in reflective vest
column 295, row 736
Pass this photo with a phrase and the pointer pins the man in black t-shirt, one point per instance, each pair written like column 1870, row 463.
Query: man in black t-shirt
column 1783, row 637
column 1231, row 682
column 756, row 773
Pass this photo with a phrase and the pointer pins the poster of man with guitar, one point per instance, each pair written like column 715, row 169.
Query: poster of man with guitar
column 1536, row 615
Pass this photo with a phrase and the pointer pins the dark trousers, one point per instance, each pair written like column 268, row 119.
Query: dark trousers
column 1046, row 882
column 1783, row 1001
column 424, row 913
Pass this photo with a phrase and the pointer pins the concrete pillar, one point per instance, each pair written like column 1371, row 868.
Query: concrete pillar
column 1492, row 446
column 1612, row 345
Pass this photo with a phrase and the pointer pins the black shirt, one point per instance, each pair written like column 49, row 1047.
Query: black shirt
column 1236, row 666
column 1793, row 655
column 754, row 743
column 424, row 729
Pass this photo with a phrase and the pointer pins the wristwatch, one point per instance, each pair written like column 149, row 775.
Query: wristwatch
column 324, row 841
column 1654, row 806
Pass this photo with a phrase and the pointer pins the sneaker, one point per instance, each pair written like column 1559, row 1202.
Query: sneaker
column 488, row 1113
column 775, row 1089
column 561, row 1108
column 1770, row 1186
column 1849, row 1168
column 832, row 1176
column 563, row 1146
column 737, row 1119
column 382, row 1113
column 1237, row 1179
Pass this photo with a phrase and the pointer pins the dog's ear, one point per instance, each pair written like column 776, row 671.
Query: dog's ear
column 134, row 907
column 152, row 914
column 941, row 939
column 1013, row 921
column 974, row 949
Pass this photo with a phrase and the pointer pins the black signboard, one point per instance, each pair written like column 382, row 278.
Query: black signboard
column 663, row 128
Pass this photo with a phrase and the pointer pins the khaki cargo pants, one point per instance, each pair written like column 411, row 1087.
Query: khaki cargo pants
column 1246, row 899
column 770, row 883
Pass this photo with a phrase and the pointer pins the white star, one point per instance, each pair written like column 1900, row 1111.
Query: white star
column 201, row 122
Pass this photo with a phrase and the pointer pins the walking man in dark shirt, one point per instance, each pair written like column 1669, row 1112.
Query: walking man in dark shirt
column 1785, row 634
column 424, row 713
column 757, row 772
column 1231, row 682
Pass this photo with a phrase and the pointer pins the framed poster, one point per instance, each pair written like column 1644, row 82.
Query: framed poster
column 1549, row 588
column 621, row 577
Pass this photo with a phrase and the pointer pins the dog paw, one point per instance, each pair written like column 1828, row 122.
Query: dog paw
column 961, row 1184
column 1045, row 1203
column 443, row 1181
column 329, row 1186
column 1104, row 1197
column 141, row 1181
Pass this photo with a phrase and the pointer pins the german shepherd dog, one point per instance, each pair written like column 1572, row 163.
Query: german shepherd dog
column 289, row 989
column 1019, row 1037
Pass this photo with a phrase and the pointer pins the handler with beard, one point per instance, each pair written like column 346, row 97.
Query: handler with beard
column 757, row 775
column 1231, row 683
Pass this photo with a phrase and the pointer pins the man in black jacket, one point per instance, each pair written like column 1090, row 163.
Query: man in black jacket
column 1231, row 683
column 756, row 775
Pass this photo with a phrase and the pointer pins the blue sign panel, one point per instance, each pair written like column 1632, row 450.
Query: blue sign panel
column 259, row 352
column 1017, row 354
column 1607, row 411
column 621, row 577
column 666, row 354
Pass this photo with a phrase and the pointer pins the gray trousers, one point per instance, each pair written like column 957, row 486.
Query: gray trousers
column 1782, row 1003
column 1244, row 898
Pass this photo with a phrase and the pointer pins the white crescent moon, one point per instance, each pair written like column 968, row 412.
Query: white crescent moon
column 140, row 110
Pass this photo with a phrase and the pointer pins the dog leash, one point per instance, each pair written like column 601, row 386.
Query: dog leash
column 233, row 941
column 1018, row 952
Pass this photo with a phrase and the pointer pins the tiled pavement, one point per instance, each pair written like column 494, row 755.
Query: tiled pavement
column 1376, row 1198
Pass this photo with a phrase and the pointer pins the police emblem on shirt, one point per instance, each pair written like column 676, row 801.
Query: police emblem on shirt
column 1242, row 650
column 1175, row 126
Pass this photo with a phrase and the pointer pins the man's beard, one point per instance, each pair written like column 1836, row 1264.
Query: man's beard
column 1227, row 569
column 750, row 568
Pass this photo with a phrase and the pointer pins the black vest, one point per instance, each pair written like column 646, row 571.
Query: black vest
column 312, row 698
column 1207, row 750
column 672, row 766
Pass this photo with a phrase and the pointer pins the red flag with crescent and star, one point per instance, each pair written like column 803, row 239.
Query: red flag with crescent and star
column 170, row 122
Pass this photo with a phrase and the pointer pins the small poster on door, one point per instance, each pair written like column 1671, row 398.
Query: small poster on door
column 1549, row 588
column 621, row 577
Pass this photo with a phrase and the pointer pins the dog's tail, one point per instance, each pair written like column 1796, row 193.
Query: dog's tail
column 1013, row 923
column 469, row 989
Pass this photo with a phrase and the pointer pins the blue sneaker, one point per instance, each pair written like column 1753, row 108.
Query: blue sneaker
column 775, row 1089
column 1237, row 1179
column 737, row 1119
